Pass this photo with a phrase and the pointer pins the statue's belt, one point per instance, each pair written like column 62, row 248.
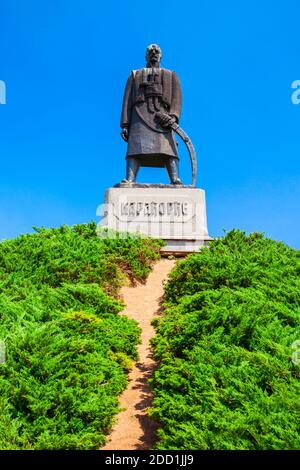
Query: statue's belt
column 153, row 90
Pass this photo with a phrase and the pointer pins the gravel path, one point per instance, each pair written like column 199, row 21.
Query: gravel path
column 133, row 428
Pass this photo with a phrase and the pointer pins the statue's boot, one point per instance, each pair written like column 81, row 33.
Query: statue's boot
column 172, row 167
column 132, row 168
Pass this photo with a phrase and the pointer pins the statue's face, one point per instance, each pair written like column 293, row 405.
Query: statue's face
column 153, row 55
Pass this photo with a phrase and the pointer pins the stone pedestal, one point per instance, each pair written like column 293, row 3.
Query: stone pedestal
column 175, row 214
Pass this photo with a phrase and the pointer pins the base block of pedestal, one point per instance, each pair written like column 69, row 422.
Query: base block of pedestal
column 177, row 215
column 183, row 247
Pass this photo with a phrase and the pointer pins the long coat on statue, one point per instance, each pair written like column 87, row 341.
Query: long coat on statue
column 149, row 91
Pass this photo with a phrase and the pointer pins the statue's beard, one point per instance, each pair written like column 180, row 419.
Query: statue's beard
column 154, row 62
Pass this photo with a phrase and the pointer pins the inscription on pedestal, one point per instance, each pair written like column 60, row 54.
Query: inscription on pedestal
column 153, row 208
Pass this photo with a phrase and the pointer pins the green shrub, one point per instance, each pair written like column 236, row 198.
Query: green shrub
column 226, row 379
column 68, row 350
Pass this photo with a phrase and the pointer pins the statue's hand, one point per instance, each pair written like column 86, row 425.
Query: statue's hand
column 124, row 134
column 166, row 120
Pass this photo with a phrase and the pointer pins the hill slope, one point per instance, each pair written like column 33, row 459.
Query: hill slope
column 67, row 350
column 226, row 379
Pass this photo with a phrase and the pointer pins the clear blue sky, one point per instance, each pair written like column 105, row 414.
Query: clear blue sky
column 65, row 64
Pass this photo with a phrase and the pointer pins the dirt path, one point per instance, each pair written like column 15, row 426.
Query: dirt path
column 134, row 429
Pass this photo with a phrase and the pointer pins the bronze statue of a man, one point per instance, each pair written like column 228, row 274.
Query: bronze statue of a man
column 151, row 104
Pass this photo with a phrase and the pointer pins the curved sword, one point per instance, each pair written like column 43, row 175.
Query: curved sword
column 176, row 128
column 179, row 131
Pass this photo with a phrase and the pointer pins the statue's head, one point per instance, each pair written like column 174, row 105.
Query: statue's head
column 153, row 55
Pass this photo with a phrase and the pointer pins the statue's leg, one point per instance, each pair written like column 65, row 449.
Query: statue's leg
column 132, row 168
column 172, row 167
